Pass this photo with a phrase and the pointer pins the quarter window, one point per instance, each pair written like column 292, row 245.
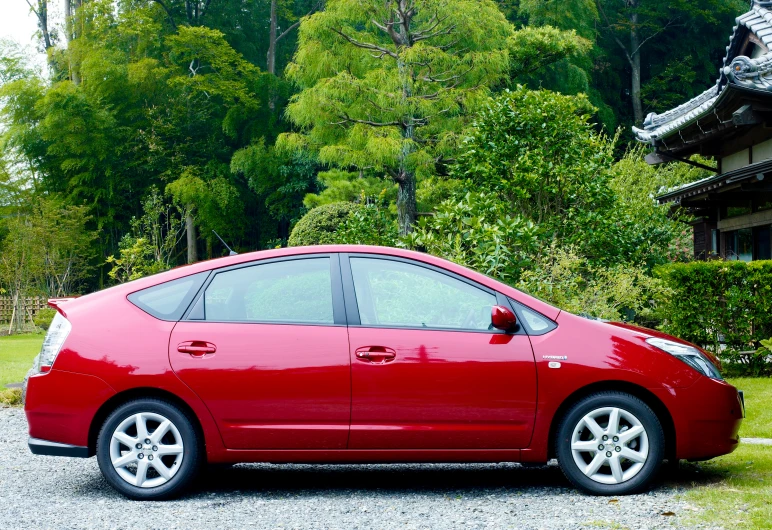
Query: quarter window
column 392, row 293
column 297, row 291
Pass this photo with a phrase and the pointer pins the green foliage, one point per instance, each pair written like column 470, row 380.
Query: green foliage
column 151, row 245
column 318, row 227
column 578, row 15
column 44, row 317
column 645, row 231
column 390, row 100
column 480, row 232
column 537, row 152
column 621, row 292
column 371, row 224
column 347, row 186
column 720, row 304
column 46, row 248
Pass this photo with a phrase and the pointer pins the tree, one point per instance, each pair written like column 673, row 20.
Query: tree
column 537, row 151
column 658, row 27
column 46, row 250
column 388, row 85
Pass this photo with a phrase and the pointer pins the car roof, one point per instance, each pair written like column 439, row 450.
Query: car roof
column 217, row 263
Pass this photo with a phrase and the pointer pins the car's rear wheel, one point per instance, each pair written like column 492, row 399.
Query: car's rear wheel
column 148, row 449
column 610, row 443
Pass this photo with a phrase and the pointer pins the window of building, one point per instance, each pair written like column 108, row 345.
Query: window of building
column 762, row 247
column 739, row 245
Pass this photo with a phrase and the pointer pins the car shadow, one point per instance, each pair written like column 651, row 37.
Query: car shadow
column 278, row 480
column 385, row 478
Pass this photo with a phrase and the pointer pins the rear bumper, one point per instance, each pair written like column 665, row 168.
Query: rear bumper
column 44, row 447
column 61, row 405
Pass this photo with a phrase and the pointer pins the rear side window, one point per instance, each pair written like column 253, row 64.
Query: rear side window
column 297, row 291
column 169, row 300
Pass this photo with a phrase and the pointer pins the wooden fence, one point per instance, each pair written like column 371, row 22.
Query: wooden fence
column 33, row 303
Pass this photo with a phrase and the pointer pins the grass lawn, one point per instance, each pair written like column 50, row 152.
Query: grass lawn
column 735, row 491
column 16, row 355
column 758, row 401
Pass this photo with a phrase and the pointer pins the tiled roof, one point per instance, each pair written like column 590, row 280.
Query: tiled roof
column 735, row 69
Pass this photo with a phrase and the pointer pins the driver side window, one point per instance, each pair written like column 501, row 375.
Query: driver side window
column 393, row 293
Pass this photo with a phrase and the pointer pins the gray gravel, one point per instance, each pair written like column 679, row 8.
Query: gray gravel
column 49, row 492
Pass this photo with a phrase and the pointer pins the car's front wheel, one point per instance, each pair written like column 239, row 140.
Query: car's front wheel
column 148, row 449
column 610, row 443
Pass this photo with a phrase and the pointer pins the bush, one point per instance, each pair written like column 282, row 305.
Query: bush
column 319, row 225
column 724, row 306
column 44, row 317
column 565, row 279
column 478, row 231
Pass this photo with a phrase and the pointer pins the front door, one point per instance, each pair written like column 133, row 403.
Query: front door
column 265, row 347
column 428, row 370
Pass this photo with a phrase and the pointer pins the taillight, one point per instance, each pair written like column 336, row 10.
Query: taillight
column 57, row 333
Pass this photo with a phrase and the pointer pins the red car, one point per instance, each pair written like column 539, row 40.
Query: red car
column 363, row 354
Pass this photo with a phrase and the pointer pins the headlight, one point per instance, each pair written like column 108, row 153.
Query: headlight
column 688, row 354
column 57, row 332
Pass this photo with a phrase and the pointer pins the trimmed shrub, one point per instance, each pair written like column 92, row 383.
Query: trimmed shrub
column 44, row 317
column 717, row 303
column 319, row 225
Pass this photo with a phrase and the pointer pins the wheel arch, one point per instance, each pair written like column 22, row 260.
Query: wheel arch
column 139, row 393
column 645, row 395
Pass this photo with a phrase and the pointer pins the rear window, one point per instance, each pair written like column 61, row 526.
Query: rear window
column 169, row 300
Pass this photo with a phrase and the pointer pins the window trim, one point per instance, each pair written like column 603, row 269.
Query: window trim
column 352, row 306
column 338, row 306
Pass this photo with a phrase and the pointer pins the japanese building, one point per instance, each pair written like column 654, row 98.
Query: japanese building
column 731, row 123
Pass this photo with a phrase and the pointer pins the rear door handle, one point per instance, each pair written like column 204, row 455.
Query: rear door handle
column 375, row 354
column 196, row 348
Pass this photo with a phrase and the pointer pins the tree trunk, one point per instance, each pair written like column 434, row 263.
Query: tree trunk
column 70, row 32
column 271, row 59
column 635, row 89
column 41, row 12
column 406, row 207
column 190, row 228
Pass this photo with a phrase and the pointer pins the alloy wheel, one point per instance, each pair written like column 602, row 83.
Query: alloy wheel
column 146, row 449
column 610, row 445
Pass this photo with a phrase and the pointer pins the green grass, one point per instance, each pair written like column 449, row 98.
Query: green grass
column 733, row 491
column 758, row 404
column 16, row 355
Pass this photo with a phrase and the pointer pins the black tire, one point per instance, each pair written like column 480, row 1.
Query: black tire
column 192, row 453
column 648, row 420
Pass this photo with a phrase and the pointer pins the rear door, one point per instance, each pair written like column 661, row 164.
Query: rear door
column 428, row 369
column 265, row 347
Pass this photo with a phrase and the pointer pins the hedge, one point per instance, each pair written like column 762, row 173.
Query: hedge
column 715, row 302
column 318, row 226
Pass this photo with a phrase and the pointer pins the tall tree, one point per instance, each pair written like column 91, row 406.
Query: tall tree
column 388, row 84
column 641, row 30
column 40, row 9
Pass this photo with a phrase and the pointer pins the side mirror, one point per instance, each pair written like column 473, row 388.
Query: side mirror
column 503, row 318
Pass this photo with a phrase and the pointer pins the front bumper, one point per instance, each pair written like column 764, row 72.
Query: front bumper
column 707, row 418
column 44, row 447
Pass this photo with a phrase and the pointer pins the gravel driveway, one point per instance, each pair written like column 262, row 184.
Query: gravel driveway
column 49, row 492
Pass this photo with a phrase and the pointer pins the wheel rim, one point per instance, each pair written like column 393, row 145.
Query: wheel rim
column 146, row 450
column 610, row 445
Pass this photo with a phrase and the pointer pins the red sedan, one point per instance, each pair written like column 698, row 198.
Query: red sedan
column 363, row 354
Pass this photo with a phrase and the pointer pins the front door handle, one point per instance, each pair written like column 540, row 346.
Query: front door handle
column 196, row 348
column 375, row 354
